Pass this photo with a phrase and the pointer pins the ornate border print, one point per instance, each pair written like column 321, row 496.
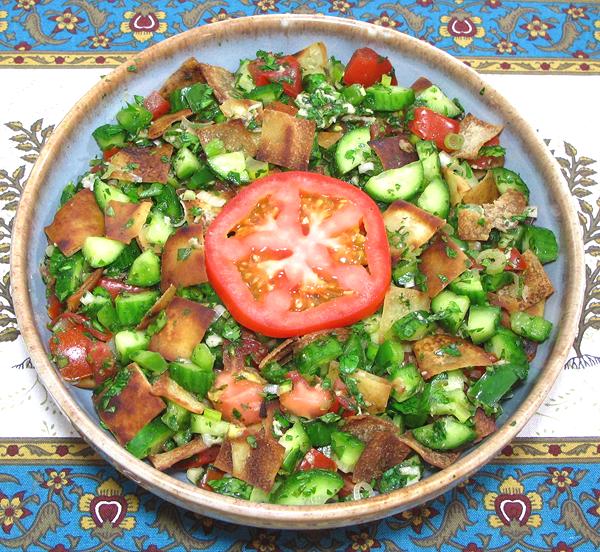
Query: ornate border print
column 493, row 36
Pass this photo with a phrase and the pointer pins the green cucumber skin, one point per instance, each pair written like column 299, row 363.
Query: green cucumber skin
column 403, row 183
column 356, row 142
column 310, row 487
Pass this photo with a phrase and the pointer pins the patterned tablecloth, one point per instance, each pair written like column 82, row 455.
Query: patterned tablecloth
column 541, row 494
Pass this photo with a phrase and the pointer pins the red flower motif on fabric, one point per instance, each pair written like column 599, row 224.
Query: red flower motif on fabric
column 562, row 546
column 417, row 516
column 472, row 547
column 361, row 541
column 385, row 20
column 66, row 21
column 561, row 478
column 537, row 28
column 576, row 12
column 554, row 450
column 11, row 510
column 595, row 509
column 493, row 3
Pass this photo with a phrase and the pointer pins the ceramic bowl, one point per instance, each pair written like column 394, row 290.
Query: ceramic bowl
column 71, row 146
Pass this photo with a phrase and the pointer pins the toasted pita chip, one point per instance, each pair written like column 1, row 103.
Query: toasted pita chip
column 165, row 460
column 284, row 108
column 536, row 284
column 168, row 388
column 374, row 390
column 88, row 285
column 128, row 411
column 234, row 135
column 182, row 260
column 234, row 108
column 501, row 212
column 190, row 72
column 124, row 221
column 365, row 426
column 187, row 322
column 220, row 80
column 161, row 304
column 440, row 460
column 473, row 224
column 134, row 164
column 160, row 125
column 506, row 299
column 78, row 219
column 485, row 192
column 391, row 155
column 476, row 133
column 257, row 464
column 413, row 226
column 286, row 140
column 442, row 353
column 313, row 58
column 457, row 185
column 205, row 206
column 484, row 425
column 328, row 139
column 537, row 309
column 398, row 303
column 383, row 451
column 442, row 262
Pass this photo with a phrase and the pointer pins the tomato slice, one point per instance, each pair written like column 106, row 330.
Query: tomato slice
column 316, row 459
column 429, row 125
column 283, row 70
column 157, row 105
column 308, row 401
column 366, row 67
column 297, row 252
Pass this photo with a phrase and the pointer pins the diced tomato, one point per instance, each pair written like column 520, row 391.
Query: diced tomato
column 342, row 400
column 102, row 361
column 55, row 307
column 69, row 348
column 157, row 105
column 308, row 401
column 284, row 70
column 79, row 319
column 297, row 252
column 515, row 260
column 488, row 161
column 429, row 125
column 250, row 345
column 237, row 398
column 207, row 456
column 211, row 474
column 316, row 459
column 115, row 287
column 110, row 152
column 366, row 67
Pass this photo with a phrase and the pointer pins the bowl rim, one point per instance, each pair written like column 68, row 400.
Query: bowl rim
column 271, row 515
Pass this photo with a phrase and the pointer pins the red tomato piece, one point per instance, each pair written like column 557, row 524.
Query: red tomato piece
column 107, row 154
column 487, row 161
column 342, row 400
column 297, row 252
column 284, row 70
column 366, row 67
column 157, row 105
column 516, row 261
column 316, row 459
column 102, row 361
column 212, row 474
column 429, row 125
column 55, row 307
column 115, row 287
column 308, row 401
column 239, row 399
column 207, row 456
column 69, row 348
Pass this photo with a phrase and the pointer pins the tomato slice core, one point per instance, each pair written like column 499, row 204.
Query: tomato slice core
column 297, row 252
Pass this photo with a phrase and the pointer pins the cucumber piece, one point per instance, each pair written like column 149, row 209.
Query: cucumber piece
column 99, row 252
column 157, row 231
column 388, row 98
column 319, row 433
column 230, row 166
column 496, row 382
column 530, row 327
column 316, row 354
column 185, row 163
column 493, row 282
column 353, row 149
column 429, row 156
column 68, row 274
column 542, row 242
column 199, row 423
column 105, row 193
column 150, row 439
column 128, row 342
column 167, row 202
column 444, row 434
column 308, row 488
column 243, row 78
column 506, row 179
column 107, row 316
column 346, row 450
column 145, row 270
column 266, row 94
column 175, row 417
column 191, row 377
column 256, row 169
column 452, row 307
column 402, row 475
column 390, row 353
column 131, row 307
column 469, row 284
column 202, row 357
column 437, row 101
column 447, row 396
column 415, row 409
column 110, row 136
column 296, row 443
column 512, row 237
column 403, row 183
column 150, row 361
column 483, row 322
column 412, row 327
column 506, row 345
column 124, row 260
column 435, row 198
column 406, row 382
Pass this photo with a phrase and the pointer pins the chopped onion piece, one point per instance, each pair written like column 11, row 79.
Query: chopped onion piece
column 359, row 488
